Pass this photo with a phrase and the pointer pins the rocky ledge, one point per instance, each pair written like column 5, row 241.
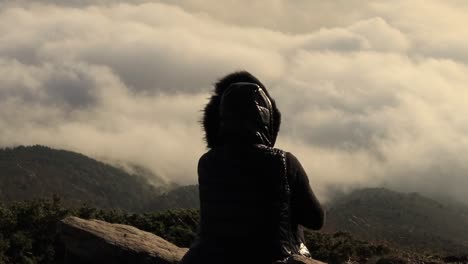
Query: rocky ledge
column 94, row 241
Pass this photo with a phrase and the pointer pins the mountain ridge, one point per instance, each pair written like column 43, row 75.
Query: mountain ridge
column 28, row 172
column 407, row 220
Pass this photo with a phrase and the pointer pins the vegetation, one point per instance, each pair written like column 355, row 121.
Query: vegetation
column 379, row 224
column 341, row 247
column 28, row 229
column 28, row 233
column 405, row 220
column 179, row 197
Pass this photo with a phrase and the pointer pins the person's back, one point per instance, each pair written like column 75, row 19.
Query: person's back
column 251, row 195
column 241, row 190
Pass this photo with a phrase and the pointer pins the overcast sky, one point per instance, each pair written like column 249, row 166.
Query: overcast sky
column 373, row 93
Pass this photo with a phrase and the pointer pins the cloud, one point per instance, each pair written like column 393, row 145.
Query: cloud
column 372, row 94
column 402, row 125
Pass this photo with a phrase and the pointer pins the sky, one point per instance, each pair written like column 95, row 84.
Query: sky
column 373, row 93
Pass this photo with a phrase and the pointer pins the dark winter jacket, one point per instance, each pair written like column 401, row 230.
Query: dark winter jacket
column 253, row 198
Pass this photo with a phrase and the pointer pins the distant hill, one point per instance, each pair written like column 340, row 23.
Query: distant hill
column 179, row 197
column 39, row 171
column 374, row 214
column 404, row 220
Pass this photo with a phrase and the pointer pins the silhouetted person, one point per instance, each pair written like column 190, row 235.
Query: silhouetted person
column 253, row 198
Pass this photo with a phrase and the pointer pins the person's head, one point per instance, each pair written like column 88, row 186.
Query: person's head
column 241, row 109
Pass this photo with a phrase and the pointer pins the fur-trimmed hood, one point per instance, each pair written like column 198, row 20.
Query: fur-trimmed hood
column 211, row 116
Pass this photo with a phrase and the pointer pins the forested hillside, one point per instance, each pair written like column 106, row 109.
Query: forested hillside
column 38, row 171
column 85, row 186
column 178, row 197
column 406, row 220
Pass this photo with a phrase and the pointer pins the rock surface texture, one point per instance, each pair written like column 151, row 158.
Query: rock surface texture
column 94, row 241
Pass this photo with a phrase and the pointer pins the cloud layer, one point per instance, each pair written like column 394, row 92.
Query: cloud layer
column 372, row 94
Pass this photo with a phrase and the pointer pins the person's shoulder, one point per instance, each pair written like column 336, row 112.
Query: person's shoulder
column 205, row 156
column 212, row 154
column 291, row 159
column 294, row 167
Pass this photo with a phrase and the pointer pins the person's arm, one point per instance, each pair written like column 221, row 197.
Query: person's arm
column 306, row 209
